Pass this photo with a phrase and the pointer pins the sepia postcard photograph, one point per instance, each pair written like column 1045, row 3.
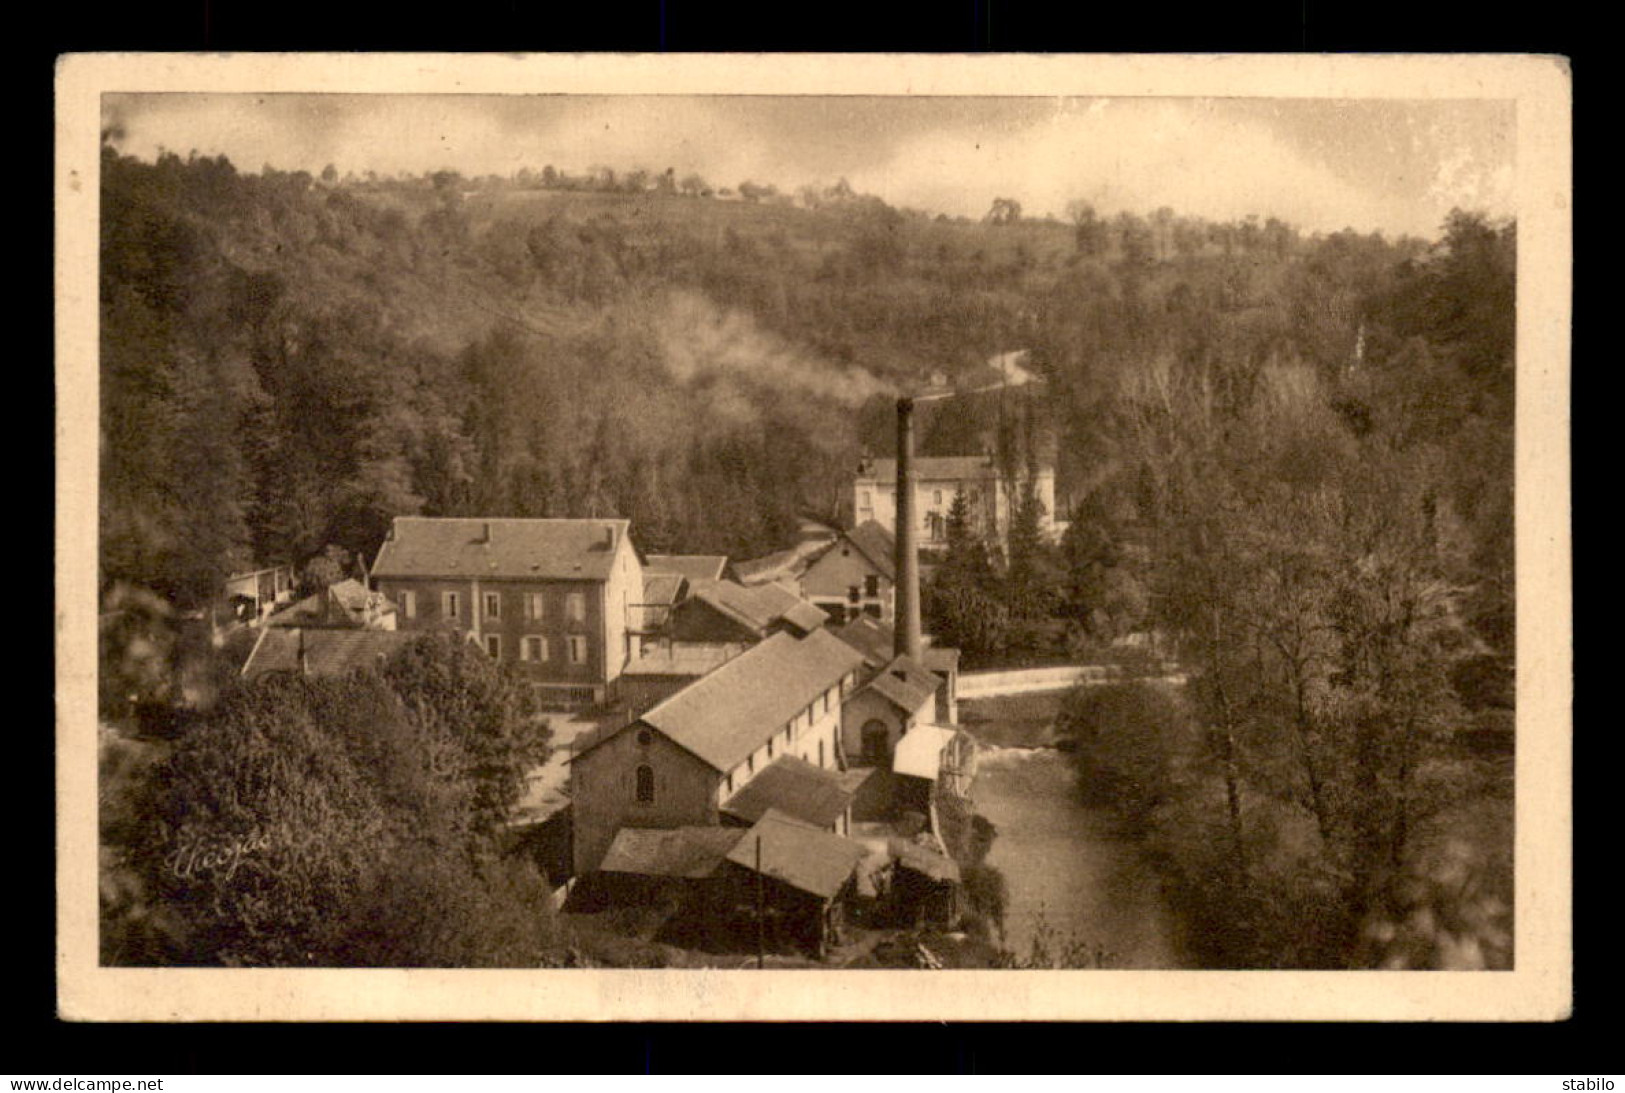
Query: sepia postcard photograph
column 791, row 537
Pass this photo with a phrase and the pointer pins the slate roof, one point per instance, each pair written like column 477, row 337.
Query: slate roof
column 421, row 546
column 696, row 567
column 691, row 852
column 800, row 856
column 727, row 715
column 327, row 652
column 876, row 544
column 933, row 468
column 795, row 787
column 906, row 683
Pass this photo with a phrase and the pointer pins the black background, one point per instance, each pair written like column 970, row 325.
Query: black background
column 36, row 1043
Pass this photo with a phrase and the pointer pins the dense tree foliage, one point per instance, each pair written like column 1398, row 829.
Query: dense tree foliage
column 311, row 822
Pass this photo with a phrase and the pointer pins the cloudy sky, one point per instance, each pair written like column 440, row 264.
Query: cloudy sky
column 1392, row 165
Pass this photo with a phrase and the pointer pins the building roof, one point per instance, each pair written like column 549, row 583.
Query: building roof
column 795, row 787
column 874, row 639
column 681, row 658
column 876, row 544
column 905, row 683
column 511, row 549
column 326, row 652
column 728, row 714
column 692, row 852
column 933, row 468
column 771, row 567
column 912, row 856
column 756, row 608
column 803, row 857
column 661, row 589
column 877, row 642
column 696, row 567
column 356, row 602
column 919, row 752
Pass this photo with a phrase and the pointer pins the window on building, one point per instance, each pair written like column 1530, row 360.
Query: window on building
column 865, row 499
column 578, row 649
column 770, row 747
column 853, row 594
column 645, row 738
column 493, row 646
column 871, row 585
column 451, row 605
column 936, row 497
column 750, row 765
column 493, row 605
column 534, row 607
column 646, row 785
column 872, row 610
column 533, row 648
column 826, row 702
column 820, row 753
column 576, row 606
column 409, row 604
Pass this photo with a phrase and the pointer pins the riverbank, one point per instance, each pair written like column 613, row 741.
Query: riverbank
column 1081, row 891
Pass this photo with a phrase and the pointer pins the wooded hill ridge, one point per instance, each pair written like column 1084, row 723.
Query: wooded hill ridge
column 289, row 361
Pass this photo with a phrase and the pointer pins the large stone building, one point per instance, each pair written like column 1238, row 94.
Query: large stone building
column 991, row 496
column 680, row 762
column 559, row 599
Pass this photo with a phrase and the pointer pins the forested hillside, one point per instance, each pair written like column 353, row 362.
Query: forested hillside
column 287, row 362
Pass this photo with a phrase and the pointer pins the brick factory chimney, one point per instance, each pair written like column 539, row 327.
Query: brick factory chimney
column 908, row 559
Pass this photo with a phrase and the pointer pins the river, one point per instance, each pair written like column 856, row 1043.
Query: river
column 1067, row 866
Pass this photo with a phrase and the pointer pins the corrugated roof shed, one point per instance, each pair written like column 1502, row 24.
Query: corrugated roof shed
column 509, row 549
column 696, row 567
column 805, row 858
column 906, row 683
column 691, row 852
column 795, row 787
column 935, row 468
column 325, row 652
column 727, row 715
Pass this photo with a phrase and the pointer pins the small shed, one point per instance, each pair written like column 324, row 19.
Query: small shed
column 791, row 878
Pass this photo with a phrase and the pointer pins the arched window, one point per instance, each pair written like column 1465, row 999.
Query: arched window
column 646, row 785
